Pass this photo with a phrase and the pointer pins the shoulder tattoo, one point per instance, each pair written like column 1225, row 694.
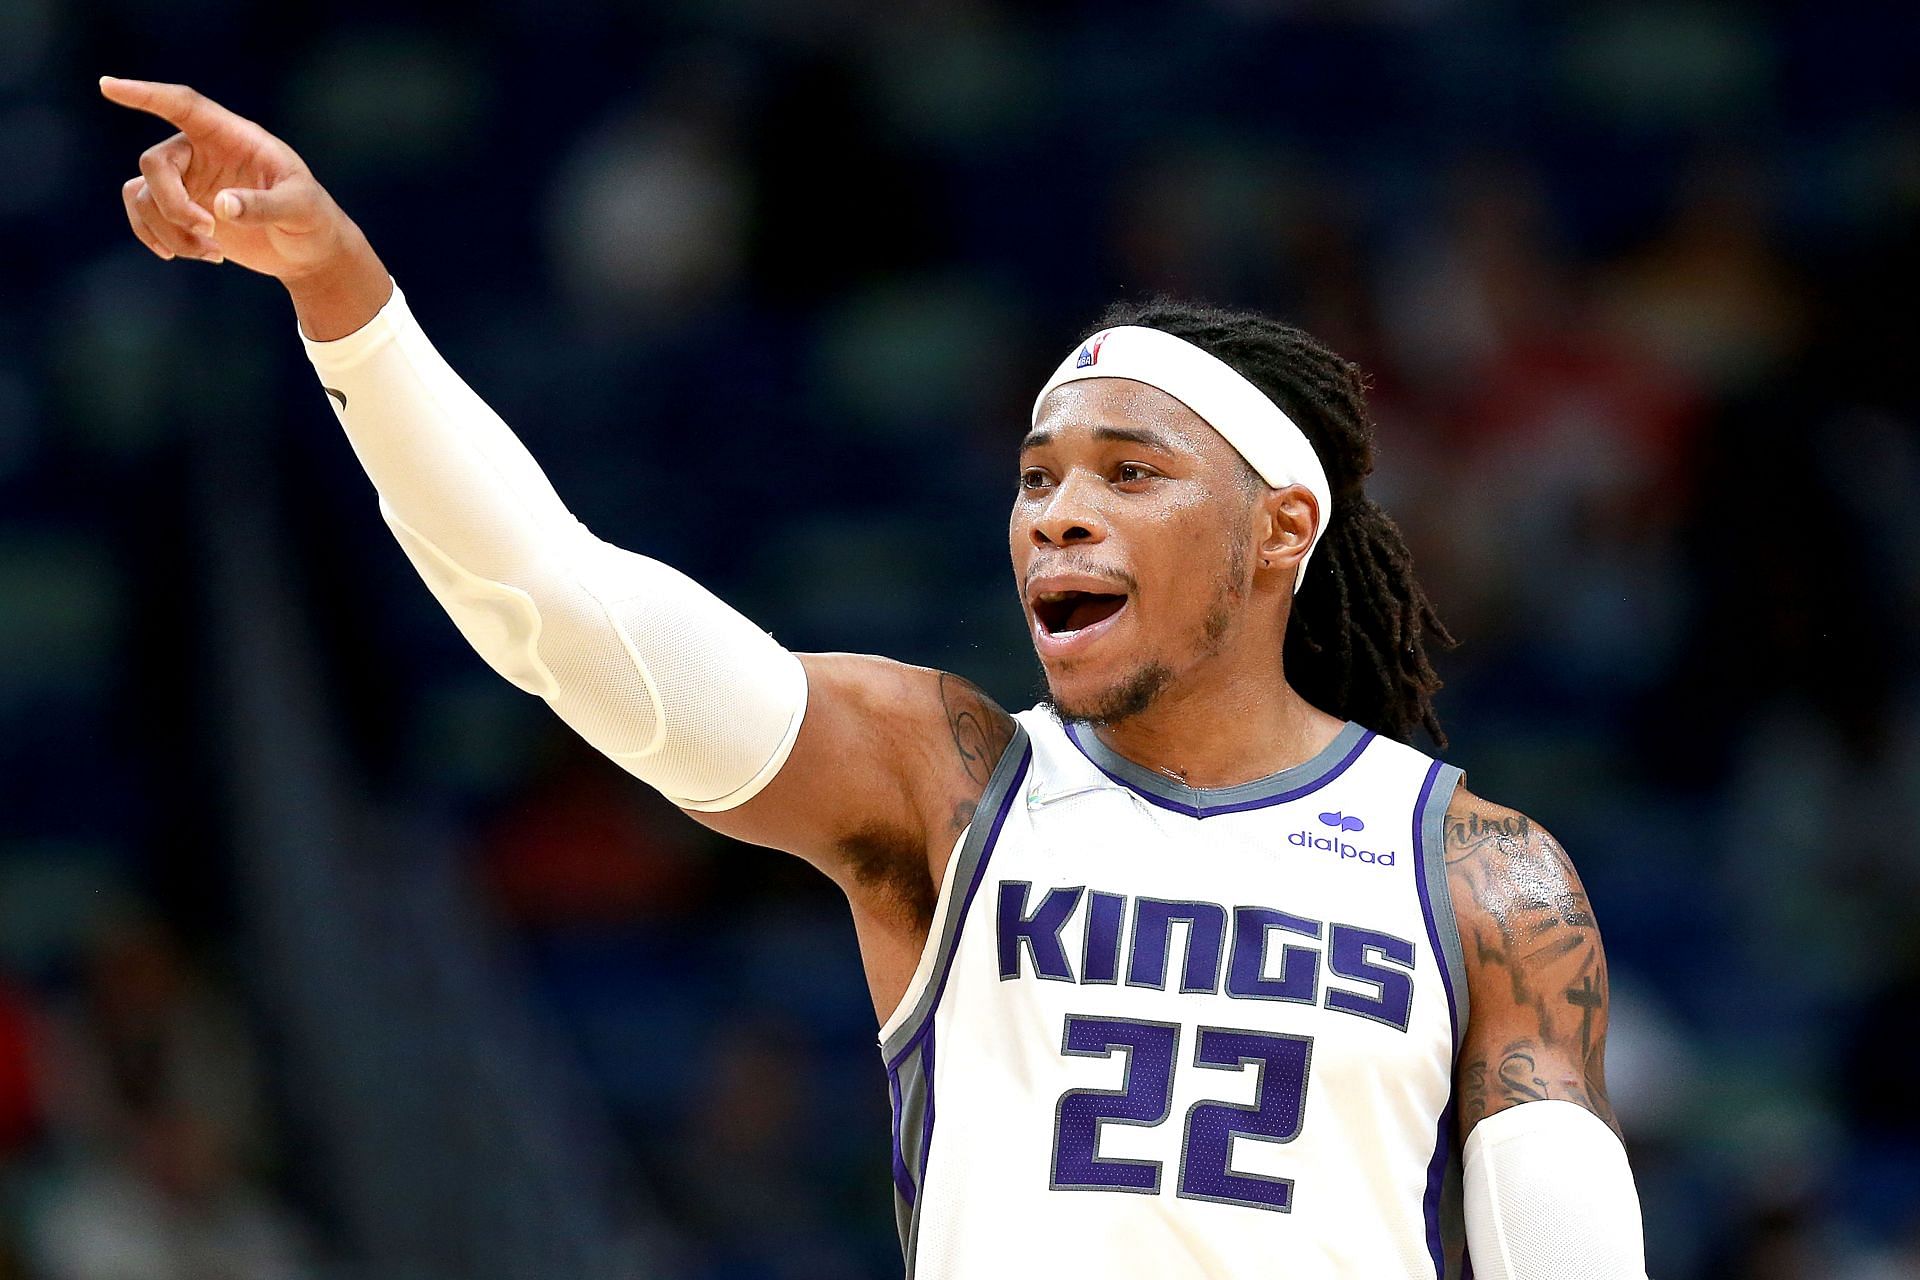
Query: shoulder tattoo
column 979, row 728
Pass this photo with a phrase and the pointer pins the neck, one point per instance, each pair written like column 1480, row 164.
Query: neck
column 1222, row 724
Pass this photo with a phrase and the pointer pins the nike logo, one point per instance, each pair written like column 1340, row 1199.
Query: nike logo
column 341, row 396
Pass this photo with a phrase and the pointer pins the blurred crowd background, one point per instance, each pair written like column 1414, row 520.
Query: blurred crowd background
column 324, row 953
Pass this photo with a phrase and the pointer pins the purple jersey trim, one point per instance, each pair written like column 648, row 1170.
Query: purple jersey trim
column 966, row 905
column 1436, row 1179
column 926, row 1120
column 909, row 1176
column 902, row 1179
column 1419, row 861
column 1442, row 1143
column 1204, row 810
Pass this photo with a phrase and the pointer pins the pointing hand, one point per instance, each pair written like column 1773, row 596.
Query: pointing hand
column 223, row 188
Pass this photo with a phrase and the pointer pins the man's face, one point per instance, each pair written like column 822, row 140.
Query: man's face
column 1131, row 536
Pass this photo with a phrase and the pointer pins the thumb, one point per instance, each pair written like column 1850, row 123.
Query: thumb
column 287, row 205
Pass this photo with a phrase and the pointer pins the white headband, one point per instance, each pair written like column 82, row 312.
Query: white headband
column 1227, row 402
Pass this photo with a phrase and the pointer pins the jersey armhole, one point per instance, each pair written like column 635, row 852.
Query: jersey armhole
column 930, row 950
column 1436, row 898
column 962, row 876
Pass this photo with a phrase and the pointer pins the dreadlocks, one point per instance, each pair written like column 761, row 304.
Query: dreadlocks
column 1356, row 641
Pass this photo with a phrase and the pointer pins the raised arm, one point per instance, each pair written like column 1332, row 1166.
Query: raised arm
column 1549, row 1195
column 866, row 767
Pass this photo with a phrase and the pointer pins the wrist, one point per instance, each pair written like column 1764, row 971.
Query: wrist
column 342, row 292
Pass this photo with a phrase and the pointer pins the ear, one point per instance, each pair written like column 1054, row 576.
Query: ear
column 1288, row 518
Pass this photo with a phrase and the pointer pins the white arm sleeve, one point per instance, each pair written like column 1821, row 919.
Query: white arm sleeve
column 1549, row 1196
column 644, row 663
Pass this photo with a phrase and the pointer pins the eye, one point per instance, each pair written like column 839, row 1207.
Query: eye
column 1033, row 478
column 1132, row 473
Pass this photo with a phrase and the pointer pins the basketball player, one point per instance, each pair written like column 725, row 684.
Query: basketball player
column 1197, row 970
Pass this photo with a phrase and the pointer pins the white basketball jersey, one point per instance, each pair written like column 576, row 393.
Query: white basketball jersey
column 1177, row 1032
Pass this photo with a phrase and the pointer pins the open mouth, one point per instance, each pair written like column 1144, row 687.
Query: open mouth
column 1062, row 613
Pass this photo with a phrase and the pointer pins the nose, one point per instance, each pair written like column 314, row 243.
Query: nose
column 1070, row 518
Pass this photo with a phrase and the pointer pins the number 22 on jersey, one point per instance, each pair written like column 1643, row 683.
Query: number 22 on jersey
column 1145, row 1099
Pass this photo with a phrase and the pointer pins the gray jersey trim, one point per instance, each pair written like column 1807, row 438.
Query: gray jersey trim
column 965, row 874
column 1431, row 824
column 908, row 1052
column 1441, row 1204
column 1200, row 802
column 912, row 1094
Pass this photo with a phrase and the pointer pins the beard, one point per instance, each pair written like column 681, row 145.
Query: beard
column 1132, row 695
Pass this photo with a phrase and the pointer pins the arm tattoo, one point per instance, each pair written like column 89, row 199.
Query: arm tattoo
column 980, row 730
column 893, row 862
column 1518, row 1080
column 1473, row 1094
column 1536, row 970
column 1469, row 832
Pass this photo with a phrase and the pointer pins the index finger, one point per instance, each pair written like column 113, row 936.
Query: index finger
column 174, row 103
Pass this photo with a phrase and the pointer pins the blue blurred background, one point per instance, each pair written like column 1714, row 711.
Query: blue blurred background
column 323, row 952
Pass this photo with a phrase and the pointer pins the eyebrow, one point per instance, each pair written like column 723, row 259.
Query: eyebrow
column 1122, row 435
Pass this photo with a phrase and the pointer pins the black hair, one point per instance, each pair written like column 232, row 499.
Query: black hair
column 1357, row 638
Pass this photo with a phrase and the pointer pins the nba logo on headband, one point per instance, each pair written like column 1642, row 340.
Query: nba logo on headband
column 1090, row 354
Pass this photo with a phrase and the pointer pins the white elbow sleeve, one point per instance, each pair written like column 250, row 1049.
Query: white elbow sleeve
column 643, row 662
column 1549, row 1196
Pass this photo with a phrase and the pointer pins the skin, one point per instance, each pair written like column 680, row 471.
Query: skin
column 1536, row 972
column 1118, row 481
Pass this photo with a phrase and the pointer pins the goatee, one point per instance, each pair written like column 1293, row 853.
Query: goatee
column 1122, row 701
